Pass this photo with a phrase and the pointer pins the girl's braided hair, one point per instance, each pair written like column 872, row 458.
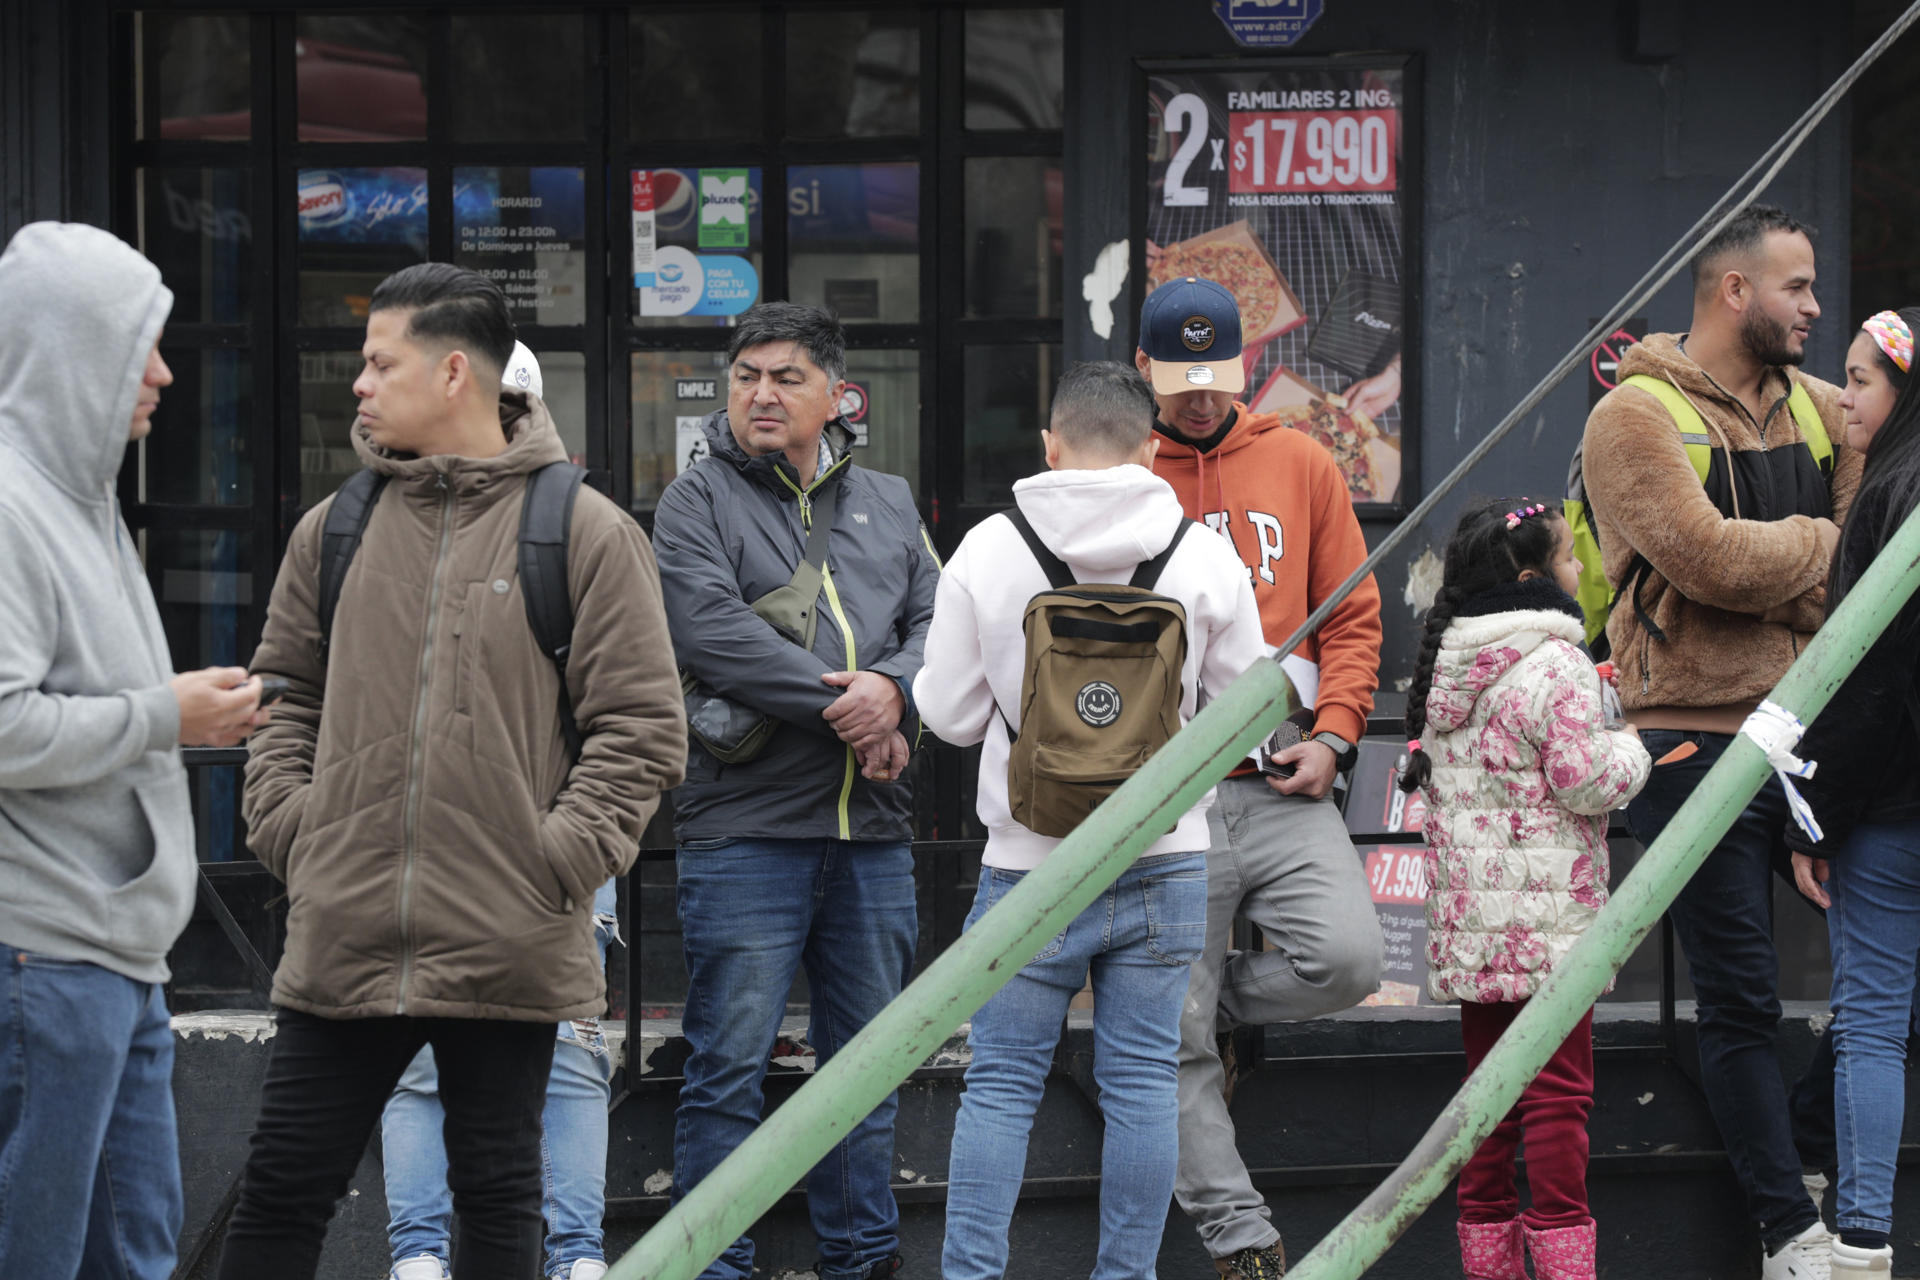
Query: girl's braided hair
column 1482, row 554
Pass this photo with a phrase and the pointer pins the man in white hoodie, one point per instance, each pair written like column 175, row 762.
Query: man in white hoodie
column 1103, row 512
column 96, row 837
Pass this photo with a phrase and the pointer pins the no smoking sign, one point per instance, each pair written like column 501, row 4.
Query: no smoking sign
column 1604, row 364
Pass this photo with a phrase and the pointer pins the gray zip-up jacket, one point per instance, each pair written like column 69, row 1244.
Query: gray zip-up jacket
column 734, row 528
column 96, row 836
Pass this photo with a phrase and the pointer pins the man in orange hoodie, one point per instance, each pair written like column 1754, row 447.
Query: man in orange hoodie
column 1279, row 851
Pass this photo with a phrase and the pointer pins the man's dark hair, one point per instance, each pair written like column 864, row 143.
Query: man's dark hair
column 451, row 307
column 1740, row 238
column 818, row 332
column 1103, row 407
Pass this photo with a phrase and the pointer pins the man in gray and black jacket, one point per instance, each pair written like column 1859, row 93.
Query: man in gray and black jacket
column 794, row 839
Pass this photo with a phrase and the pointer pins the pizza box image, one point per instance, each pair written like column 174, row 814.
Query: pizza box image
column 1369, row 460
column 1231, row 256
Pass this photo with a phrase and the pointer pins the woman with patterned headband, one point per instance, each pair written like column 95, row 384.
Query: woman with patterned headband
column 1866, row 867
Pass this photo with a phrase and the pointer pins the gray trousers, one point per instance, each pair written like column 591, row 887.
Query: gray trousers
column 1285, row 863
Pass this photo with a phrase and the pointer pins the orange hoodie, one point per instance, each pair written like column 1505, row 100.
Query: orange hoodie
column 1280, row 499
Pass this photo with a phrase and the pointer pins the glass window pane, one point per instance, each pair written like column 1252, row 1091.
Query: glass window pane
column 197, row 227
column 526, row 229
column 203, row 582
column 357, row 227
column 697, row 247
column 327, row 410
column 876, row 91
column 361, row 77
column 518, row 78
column 672, row 394
column 696, row 76
column 198, row 451
column 1013, row 236
column 1007, row 391
column 563, row 378
column 882, row 401
column 195, row 76
column 1015, row 69
column 854, row 234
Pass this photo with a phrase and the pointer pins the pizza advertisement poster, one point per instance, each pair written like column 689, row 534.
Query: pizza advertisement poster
column 1292, row 183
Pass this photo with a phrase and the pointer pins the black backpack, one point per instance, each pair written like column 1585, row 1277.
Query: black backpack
column 546, row 521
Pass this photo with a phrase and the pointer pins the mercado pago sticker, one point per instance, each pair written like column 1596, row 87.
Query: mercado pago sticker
column 1287, row 183
column 699, row 284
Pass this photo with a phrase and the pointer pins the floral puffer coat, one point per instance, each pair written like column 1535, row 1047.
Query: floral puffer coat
column 1524, row 774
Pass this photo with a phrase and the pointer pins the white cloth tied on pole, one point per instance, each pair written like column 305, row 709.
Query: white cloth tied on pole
column 1777, row 731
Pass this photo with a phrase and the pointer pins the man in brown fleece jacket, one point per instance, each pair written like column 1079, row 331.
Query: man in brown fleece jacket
column 440, row 840
column 1720, row 586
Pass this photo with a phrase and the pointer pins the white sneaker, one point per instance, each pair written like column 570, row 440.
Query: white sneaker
column 1808, row 1256
column 583, row 1269
column 1850, row 1260
column 422, row 1266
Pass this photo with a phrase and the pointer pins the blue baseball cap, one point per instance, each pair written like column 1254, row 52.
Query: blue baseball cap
column 1190, row 330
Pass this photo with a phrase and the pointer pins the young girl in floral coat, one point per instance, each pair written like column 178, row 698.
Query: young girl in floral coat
column 1519, row 769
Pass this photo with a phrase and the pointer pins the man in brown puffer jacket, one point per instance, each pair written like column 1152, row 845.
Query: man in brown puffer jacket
column 440, row 844
column 1720, row 586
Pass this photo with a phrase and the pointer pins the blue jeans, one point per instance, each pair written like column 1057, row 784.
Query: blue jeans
column 753, row 913
column 1874, row 928
column 573, row 1142
column 1724, row 921
column 1139, row 938
column 89, row 1155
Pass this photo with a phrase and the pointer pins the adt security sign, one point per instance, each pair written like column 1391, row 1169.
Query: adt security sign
column 1268, row 24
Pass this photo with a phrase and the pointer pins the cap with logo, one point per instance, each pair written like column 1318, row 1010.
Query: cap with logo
column 522, row 372
column 1190, row 330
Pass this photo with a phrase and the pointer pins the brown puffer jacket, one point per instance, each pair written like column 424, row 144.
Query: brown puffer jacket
column 440, row 855
column 1737, row 597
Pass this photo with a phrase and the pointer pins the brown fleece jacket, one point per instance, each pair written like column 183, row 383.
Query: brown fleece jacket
column 1737, row 598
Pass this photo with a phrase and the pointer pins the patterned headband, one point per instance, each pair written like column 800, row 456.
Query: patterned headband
column 1890, row 333
column 1515, row 517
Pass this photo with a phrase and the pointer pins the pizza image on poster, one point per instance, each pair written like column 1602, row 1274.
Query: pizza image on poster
column 1284, row 182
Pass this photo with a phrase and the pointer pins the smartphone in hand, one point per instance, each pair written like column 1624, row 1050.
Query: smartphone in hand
column 272, row 689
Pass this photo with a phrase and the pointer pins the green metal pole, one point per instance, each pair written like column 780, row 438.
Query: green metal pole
column 959, row 981
column 1359, row 1241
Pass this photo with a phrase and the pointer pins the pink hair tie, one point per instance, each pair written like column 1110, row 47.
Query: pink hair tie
column 1515, row 517
column 1413, row 744
column 1890, row 333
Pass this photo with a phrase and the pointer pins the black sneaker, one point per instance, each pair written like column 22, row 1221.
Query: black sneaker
column 884, row 1268
column 1269, row 1263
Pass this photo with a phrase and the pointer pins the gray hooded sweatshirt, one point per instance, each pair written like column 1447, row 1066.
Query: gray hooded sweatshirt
column 96, row 837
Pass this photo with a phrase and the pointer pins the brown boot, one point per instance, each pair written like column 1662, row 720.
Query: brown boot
column 1269, row 1263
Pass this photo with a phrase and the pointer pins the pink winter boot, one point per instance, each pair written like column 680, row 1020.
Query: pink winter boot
column 1565, row 1253
column 1492, row 1250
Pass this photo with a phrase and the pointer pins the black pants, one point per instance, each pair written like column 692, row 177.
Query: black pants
column 1724, row 921
column 327, row 1080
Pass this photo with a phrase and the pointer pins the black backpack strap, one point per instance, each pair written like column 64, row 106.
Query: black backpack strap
column 546, row 521
column 1057, row 572
column 1149, row 571
column 340, row 536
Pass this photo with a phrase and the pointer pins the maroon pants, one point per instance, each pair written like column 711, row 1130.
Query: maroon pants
column 1552, row 1116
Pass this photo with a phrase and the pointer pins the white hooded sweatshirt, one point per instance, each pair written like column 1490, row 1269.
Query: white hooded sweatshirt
column 1103, row 524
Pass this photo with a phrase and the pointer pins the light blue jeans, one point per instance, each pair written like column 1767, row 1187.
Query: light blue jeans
column 573, row 1142
column 1874, row 929
column 89, row 1155
column 1138, row 938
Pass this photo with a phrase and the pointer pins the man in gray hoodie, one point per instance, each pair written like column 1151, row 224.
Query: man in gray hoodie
column 96, row 837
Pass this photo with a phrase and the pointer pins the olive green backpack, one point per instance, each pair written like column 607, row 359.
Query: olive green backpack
column 1101, row 691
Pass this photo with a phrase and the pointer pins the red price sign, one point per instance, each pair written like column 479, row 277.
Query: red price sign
column 1313, row 151
column 1398, row 874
